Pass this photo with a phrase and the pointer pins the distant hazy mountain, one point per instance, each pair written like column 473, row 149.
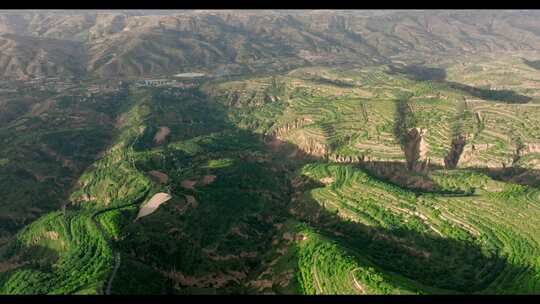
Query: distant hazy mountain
column 133, row 43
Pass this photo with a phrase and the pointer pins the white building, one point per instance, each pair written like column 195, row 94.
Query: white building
column 156, row 82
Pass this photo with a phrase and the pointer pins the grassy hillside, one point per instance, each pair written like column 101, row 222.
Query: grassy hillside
column 380, row 180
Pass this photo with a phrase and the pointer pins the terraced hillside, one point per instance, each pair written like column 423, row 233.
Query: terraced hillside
column 391, row 179
column 48, row 140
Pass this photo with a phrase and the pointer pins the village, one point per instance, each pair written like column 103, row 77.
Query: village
column 182, row 81
column 88, row 89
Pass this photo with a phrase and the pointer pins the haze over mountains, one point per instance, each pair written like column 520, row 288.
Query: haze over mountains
column 134, row 43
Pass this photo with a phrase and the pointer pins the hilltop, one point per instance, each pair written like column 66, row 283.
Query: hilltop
column 136, row 43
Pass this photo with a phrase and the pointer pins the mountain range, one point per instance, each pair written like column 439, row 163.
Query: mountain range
column 141, row 43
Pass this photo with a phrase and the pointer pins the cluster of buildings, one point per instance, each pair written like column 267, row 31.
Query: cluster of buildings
column 56, row 84
column 183, row 80
column 155, row 82
column 103, row 88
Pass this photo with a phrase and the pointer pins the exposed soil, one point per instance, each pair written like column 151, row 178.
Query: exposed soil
column 207, row 179
column 188, row 184
column 229, row 257
column 261, row 284
column 66, row 162
column 327, row 180
column 237, row 231
column 161, row 135
column 10, row 264
column 153, row 204
column 275, row 144
column 53, row 235
column 531, row 148
column 294, row 237
column 161, row 177
column 191, row 201
column 41, row 108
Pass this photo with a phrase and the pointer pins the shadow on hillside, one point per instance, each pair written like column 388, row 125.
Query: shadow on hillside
column 333, row 82
column 514, row 175
column 451, row 264
column 507, row 96
column 446, row 263
column 403, row 121
column 535, row 64
column 187, row 116
column 16, row 255
column 398, row 174
column 456, row 265
column 421, row 73
column 50, row 155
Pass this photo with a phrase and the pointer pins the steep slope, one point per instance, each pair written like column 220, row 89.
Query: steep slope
column 22, row 56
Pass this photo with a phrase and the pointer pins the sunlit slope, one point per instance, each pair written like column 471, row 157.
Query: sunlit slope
column 366, row 114
column 485, row 243
column 316, row 181
column 77, row 241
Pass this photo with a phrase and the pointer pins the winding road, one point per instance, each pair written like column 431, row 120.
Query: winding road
column 117, row 255
column 117, row 261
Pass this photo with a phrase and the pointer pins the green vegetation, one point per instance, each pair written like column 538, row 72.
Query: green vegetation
column 290, row 183
column 219, row 163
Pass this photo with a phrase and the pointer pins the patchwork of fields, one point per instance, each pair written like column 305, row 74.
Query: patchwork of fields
column 379, row 180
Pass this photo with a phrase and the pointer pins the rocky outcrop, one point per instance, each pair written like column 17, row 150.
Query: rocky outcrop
column 305, row 144
column 471, row 150
column 452, row 159
column 525, row 149
column 531, row 148
column 298, row 123
column 416, row 149
column 312, row 147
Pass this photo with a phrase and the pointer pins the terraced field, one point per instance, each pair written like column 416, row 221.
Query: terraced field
column 504, row 248
column 377, row 180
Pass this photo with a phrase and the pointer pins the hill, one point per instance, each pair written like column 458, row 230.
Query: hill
column 388, row 179
column 137, row 43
